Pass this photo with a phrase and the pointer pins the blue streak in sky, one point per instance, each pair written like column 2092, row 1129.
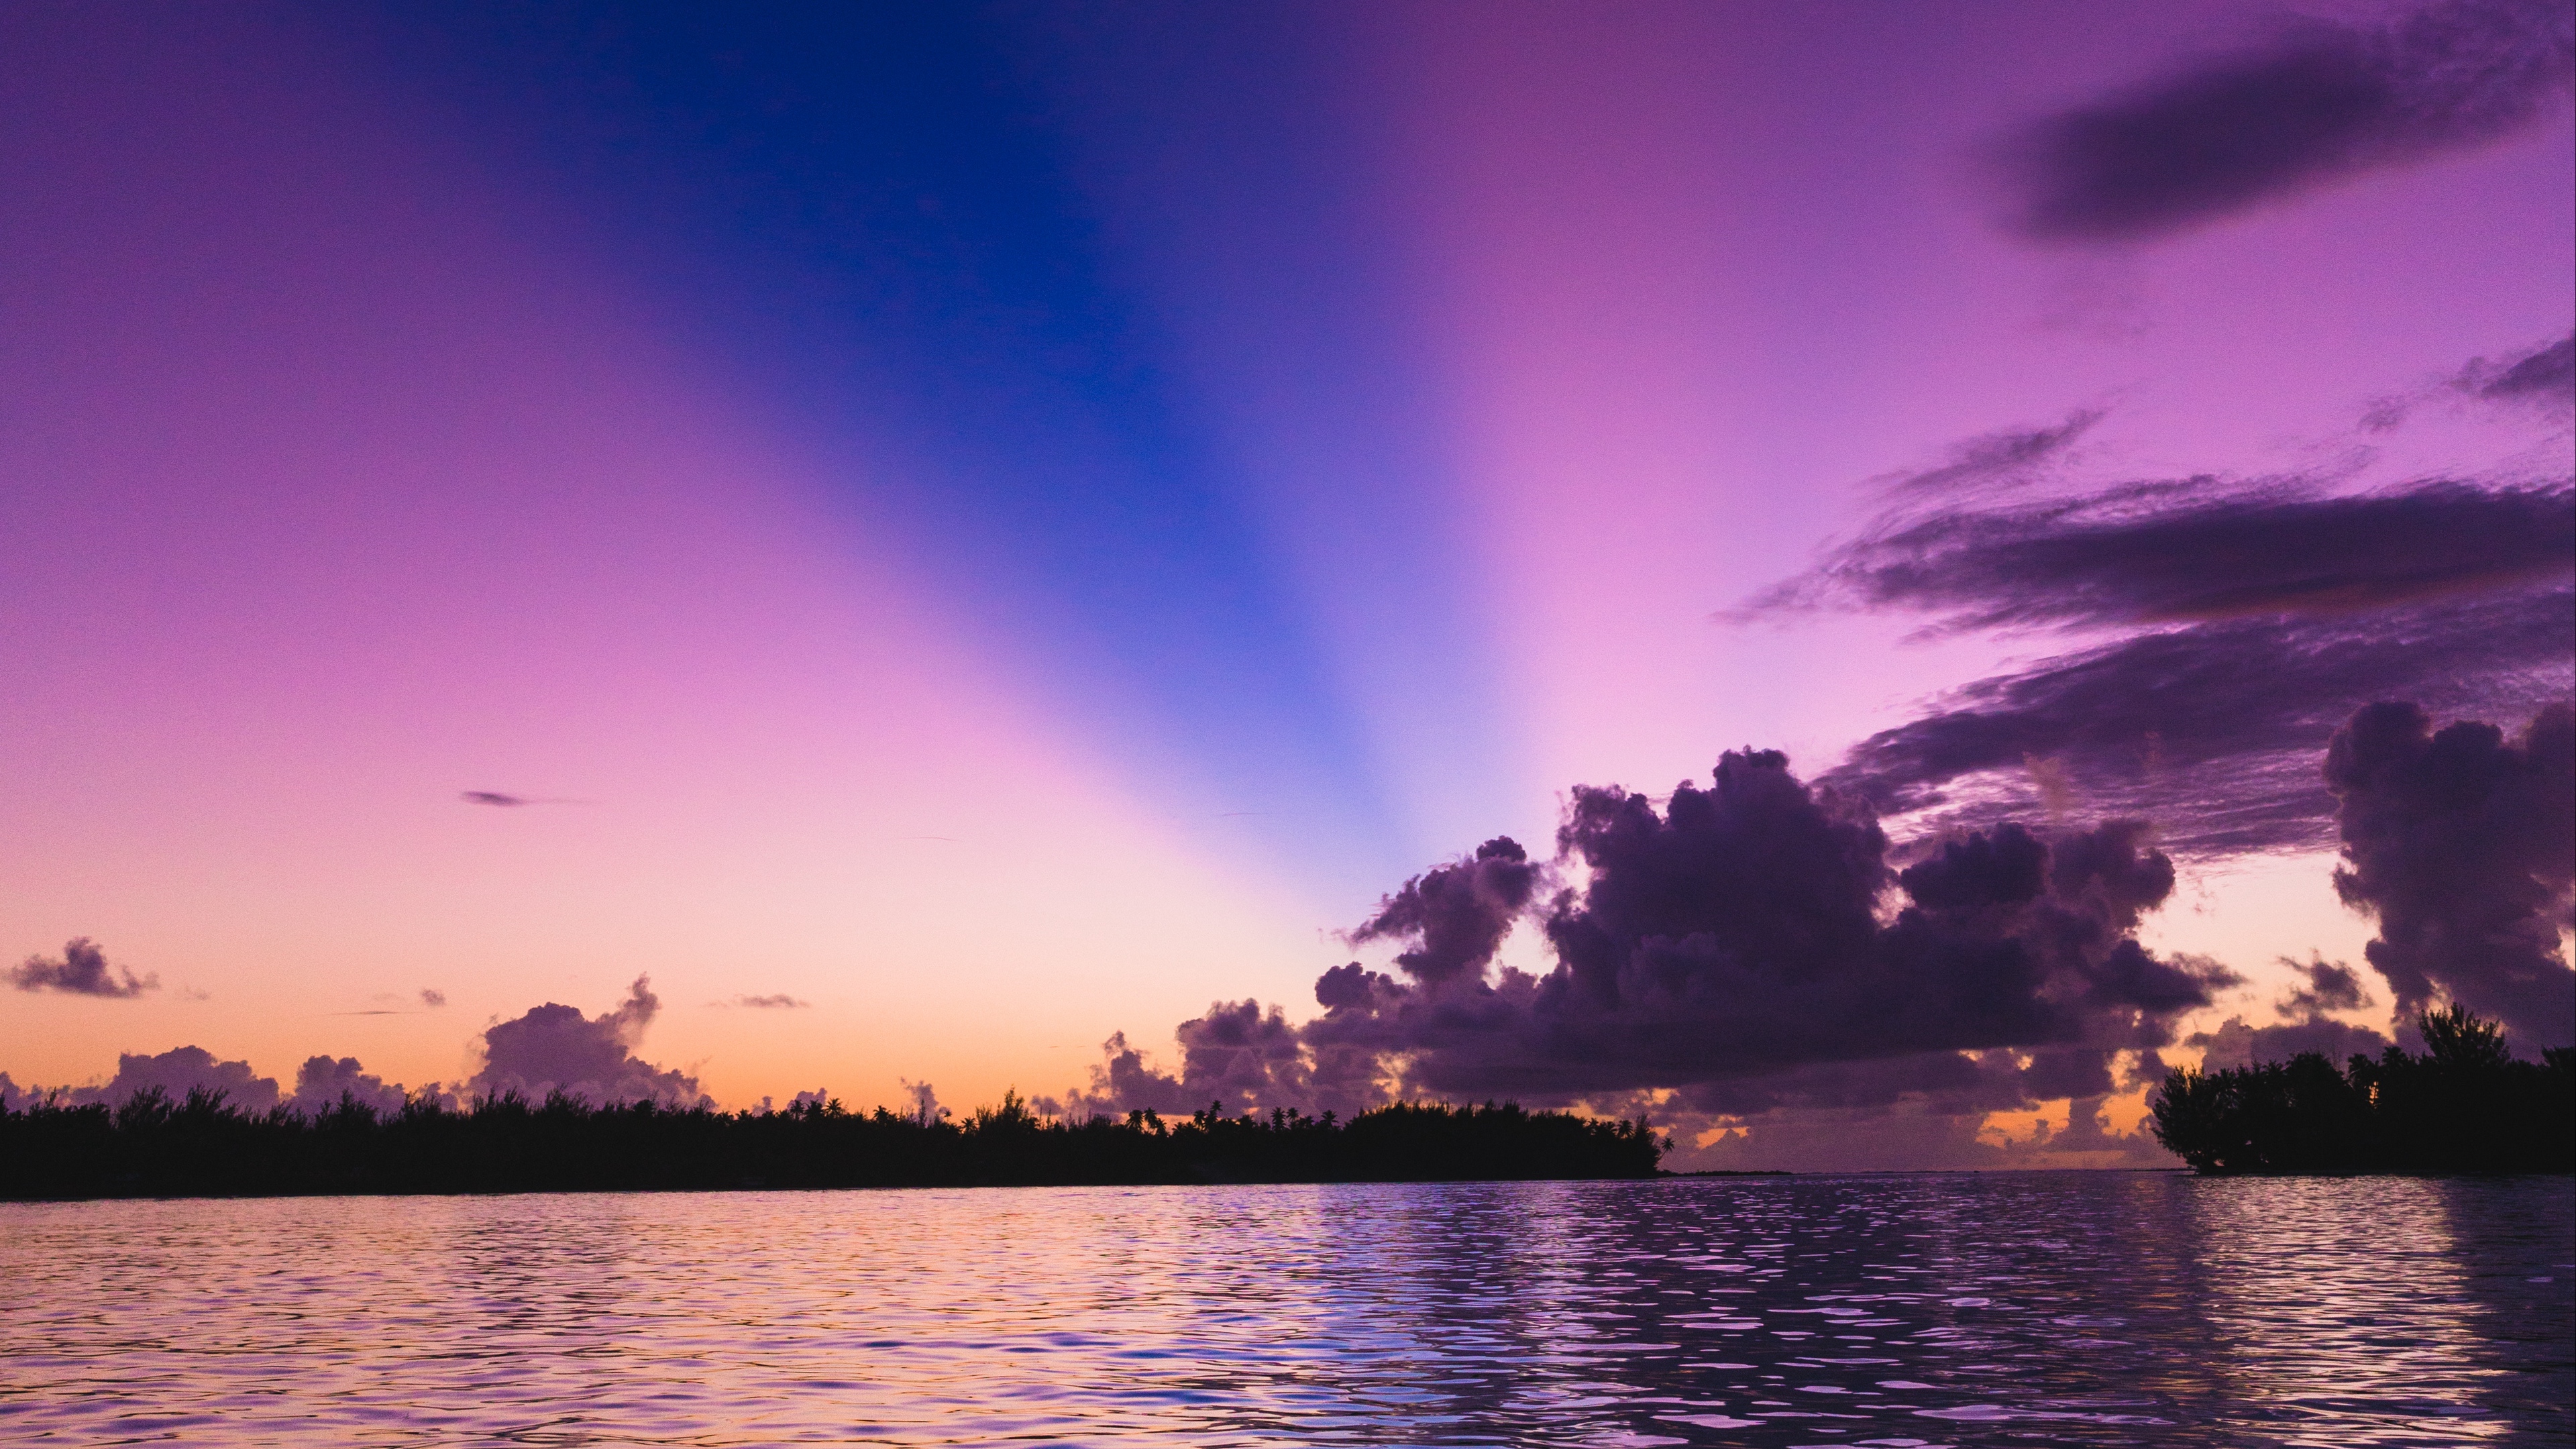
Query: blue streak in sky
column 865, row 214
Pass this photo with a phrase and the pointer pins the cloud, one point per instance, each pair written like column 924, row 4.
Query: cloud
column 321, row 1083
column 2331, row 986
column 1752, row 944
column 511, row 802
column 2463, row 844
column 2212, row 730
column 1995, row 460
column 2257, row 618
column 432, row 997
column 1239, row 1056
column 2545, row 375
column 177, row 1072
column 1914, row 1135
column 82, row 970
column 925, row 1107
column 778, row 1002
column 2318, row 101
column 1456, row 914
column 555, row 1048
column 2304, row 1025
column 2169, row 553
column 2236, row 1043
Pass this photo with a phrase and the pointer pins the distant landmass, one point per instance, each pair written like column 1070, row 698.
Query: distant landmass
column 2464, row 1105
column 155, row 1146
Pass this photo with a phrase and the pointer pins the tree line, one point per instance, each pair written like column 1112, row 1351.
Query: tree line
column 2465, row 1104
column 153, row 1145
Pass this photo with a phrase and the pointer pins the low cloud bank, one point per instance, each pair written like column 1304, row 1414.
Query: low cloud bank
column 547, row 1049
column 2304, row 1024
column 1754, row 963
column 178, row 1072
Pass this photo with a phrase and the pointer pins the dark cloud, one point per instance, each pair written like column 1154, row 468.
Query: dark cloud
column 2330, row 986
column 432, row 997
column 2236, row 1042
column 2264, row 616
column 492, row 797
column 1995, row 460
column 2463, row 844
column 179, row 1071
column 2547, row 375
column 778, row 1002
column 322, row 1082
column 2318, row 101
column 2304, row 1025
column 1456, row 915
column 81, row 970
column 2213, row 731
column 1237, row 1055
column 1751, row 943
column 2151, row 554
column 555, row 1048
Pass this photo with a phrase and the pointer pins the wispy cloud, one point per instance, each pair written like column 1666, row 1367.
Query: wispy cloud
column 2316, row 101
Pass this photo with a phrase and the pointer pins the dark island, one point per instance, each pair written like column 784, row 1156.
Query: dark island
column 152, row 1146
column 2464, row 1105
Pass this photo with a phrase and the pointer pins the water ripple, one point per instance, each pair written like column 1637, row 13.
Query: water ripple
column 1892, row 1312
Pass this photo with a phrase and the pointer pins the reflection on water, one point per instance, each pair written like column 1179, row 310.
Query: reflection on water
column 1892, row 1311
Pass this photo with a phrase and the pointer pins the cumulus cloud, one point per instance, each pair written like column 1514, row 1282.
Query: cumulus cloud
column 82, row 970
column 432, row 997
column 2237, row 1042
column 1455, row 915
column 1238, row 1056
column 177, row 1072
column 2304, row 1025
column 322, row 1082
column 2462, row 843
column 1754, row 945
column 555, row 1048
column 2317, row 101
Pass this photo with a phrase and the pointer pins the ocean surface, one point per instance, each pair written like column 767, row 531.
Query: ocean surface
column 2074, row 1308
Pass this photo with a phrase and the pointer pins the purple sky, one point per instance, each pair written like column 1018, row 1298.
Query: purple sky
column 1006, row 526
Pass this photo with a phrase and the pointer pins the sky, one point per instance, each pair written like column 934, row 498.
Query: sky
column 858, row 547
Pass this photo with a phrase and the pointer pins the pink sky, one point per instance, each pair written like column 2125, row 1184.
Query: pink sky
column 339, row 475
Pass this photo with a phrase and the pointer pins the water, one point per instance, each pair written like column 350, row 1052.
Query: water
column 1896, row 1311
